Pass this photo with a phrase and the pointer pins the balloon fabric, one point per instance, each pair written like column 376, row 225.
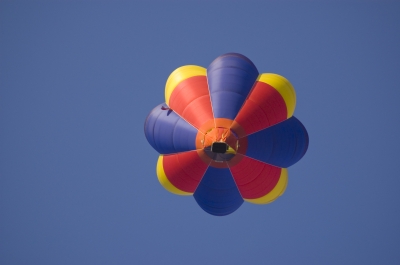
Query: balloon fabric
column 226, row 134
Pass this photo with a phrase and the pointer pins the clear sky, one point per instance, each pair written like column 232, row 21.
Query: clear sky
column 77, row 176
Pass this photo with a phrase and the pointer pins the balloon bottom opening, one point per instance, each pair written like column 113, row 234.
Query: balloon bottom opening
column 220, row 143
column 219, row 147
column 219, row 152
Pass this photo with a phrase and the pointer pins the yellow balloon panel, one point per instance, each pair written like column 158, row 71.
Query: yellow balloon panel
column 163, row 179
column 276, row 192
column 180, row 74
column 284, row 87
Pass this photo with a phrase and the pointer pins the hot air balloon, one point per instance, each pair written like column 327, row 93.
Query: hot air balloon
column 226, row 134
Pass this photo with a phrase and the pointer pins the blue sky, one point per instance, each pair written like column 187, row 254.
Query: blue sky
column 77, row 176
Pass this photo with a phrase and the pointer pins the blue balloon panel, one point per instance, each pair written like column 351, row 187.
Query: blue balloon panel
column 217, row 193
column 168, row 133
column 230, row 79
column 281, row 145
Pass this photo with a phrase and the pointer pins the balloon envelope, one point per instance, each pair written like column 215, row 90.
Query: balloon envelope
column 226, row 134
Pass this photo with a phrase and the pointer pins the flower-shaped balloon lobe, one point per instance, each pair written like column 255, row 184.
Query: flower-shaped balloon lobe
column 226, row 134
